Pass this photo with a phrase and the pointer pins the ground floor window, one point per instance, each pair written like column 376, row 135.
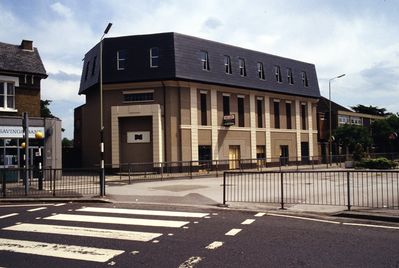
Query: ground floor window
column 261, row 155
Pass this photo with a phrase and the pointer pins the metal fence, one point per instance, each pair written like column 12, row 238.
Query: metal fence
column 131, row 172
column 49, row 182
column 371, row 189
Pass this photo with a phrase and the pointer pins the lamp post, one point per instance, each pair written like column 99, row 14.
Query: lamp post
column 330, row 122
column 102, row 172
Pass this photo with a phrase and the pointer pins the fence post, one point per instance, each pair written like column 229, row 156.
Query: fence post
column 282, row 189
column 217, row 168
column 4, row 183
column 348, row 189
column 54, row 176
column 191, row 169
column 128, row 166
column 224, row 188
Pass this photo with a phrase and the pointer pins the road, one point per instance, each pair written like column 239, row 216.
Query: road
column 139, row 235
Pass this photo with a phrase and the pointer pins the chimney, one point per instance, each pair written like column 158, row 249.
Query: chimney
column 27, row 45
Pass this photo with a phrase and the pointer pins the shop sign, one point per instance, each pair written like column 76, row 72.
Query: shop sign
column 18, row 132
column 229, row 120
column 138, row 137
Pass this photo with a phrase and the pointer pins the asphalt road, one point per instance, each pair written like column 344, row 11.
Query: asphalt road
column 102, row 235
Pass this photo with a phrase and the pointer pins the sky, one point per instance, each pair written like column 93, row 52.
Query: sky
column 352, row 37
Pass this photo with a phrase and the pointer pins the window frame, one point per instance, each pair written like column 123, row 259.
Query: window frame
column 305, row 80
column 303, row 116
column 226, row 104
column 119, row 60
column 290, row 77
column 205, row 60
column 277, row 73
column 288, row 107
column 147, row 92
column 276, row 112
column 4, row 92
column 227, row 64
column 242, row 67
column 259, row 111
column 203, row 108
column 152, row 57
column 261, row 71
column 241, row 111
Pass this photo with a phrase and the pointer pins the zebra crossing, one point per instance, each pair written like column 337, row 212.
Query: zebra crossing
column 75, row 224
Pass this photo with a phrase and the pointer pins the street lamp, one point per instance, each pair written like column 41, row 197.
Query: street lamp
column 330, row 122
column 102, row 174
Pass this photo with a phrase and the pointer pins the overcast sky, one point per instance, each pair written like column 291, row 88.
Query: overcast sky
column 358, row 38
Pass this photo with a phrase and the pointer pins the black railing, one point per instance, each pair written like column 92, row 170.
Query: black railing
column 372, row 189
column 164, row 170
column 49, row 182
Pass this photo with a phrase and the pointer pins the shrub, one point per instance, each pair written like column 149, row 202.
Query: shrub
column 377, row 163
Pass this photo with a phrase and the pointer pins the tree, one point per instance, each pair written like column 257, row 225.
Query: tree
column 44, row 108
column 67, row 143
column 350, row 135
column 373, row 110
column 383, row 133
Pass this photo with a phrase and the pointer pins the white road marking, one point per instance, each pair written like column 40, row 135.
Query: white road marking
column 248, row 221
column 260, row 214
column 155, row 241
column 25, row 205
column 233, row 232
column 191, row 262
column 58, row 250
column 144, row 212
column 82, row 231
column 117, row 220
column 135, row 252
column 302, row 218
column 58, row 205
column 207, row 217
column 8, row 215
column 371, row 225
column 36, row 209
column 214, row 245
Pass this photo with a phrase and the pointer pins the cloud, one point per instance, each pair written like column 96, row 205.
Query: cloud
column 63, row 76
column 62, row 10
column 212, row 23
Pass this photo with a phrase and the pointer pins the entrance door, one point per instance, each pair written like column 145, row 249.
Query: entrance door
column 284, row 155
column 261, row 155
column 305, row 152
column 234, row 156
column 205, row 156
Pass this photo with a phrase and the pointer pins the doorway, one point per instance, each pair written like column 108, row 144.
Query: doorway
column 284, row 155
column 234, row 156
column 305, row 152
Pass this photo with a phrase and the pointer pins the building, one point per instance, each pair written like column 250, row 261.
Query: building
column 172, row 97
column 21, row 72
column 340, row 115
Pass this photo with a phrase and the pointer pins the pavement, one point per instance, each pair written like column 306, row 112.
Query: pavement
column 208, row 191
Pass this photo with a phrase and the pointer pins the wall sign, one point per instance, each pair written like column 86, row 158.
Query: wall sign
column 18, row 132
column 139, row 137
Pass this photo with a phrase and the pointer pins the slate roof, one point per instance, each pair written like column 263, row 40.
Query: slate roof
column 14, row 59
column 180, row 59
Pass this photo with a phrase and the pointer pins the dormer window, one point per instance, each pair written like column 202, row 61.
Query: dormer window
column 154, row 57
column 87, row 69
column 289, row 76
column 205, row 60
column 261, row 71
column 277, row 73
column 121, row 59
column 93, row 68
column 241, row 66
column 305, row 81
column 227, row 64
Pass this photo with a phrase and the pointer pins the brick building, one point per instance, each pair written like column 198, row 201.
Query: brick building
column 21, row 72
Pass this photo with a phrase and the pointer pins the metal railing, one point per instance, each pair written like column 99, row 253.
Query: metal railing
column 131, row 172
column 371, row 189
column 49, row 182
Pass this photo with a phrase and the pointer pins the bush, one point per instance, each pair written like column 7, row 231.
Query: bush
column 377, row 163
